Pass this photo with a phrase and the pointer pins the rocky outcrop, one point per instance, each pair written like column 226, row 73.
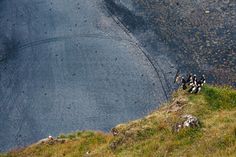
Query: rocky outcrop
column 189, row 121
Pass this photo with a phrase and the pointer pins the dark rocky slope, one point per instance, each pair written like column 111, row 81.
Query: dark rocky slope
column 201, row 33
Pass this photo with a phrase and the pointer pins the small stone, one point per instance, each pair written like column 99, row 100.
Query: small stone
column 226, row 1
column 207, row 11
column 87, row 153
column 215, row 42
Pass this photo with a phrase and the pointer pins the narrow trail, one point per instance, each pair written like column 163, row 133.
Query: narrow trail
column 145, row 53
column 62, row 38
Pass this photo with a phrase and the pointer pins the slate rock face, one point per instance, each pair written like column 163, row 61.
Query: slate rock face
column 70, row 65
column 201, row 33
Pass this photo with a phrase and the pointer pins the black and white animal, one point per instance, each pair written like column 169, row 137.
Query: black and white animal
column 194, row 78
column 192, row 88
column 200, row 83
column 184, row 83
column 177, row 77
column 193, row 81
column 198, row 87
column 190, row 78
column 203, row 79
column 193, row 85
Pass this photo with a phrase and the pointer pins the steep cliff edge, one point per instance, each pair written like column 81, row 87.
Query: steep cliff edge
column 155, row 134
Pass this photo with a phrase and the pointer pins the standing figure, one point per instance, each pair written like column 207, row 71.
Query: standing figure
column 193, row 85
column 190, row 78
column 184, row 82
column 203, row 79
column 198, row 87
column 195, row 78
column 177, row 77
column 193, row 88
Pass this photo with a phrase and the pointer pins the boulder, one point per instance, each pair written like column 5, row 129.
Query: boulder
column 189, row 121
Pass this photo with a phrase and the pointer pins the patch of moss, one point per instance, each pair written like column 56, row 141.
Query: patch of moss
column 220, row 98
column 188, row 136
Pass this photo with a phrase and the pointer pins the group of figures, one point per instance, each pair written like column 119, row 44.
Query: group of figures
column 192, row 82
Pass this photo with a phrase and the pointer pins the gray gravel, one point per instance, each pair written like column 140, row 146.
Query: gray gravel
column 200, row 33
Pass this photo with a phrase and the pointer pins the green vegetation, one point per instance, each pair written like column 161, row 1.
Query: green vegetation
column 153, row 136
column 220, row 98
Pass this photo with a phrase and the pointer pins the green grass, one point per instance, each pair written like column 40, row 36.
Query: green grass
column 152, row 136
column 220, row 98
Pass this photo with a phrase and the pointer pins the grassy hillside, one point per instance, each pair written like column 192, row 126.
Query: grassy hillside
column 215, row 107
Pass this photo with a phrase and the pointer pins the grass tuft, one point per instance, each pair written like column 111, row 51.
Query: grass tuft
column 220, row 98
